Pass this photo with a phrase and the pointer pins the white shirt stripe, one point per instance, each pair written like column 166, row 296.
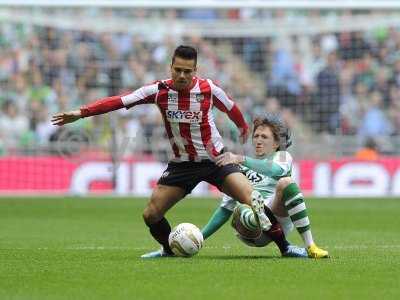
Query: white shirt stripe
column 216, row 138
column 139, row 94
column 221, row 95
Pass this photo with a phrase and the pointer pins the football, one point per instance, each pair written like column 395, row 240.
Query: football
column 186, row 240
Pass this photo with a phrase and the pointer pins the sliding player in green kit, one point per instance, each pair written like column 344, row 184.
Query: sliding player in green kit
column 270, row 174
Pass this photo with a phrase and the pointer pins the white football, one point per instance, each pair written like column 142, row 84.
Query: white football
column 185, row 240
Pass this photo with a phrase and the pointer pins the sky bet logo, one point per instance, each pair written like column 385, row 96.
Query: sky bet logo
column 184, row 116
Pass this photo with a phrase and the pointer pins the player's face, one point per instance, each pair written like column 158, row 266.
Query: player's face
column 263, row 141
column 182, row 72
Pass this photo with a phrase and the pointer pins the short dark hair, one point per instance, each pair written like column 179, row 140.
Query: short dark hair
column 185, row 52
column 371, row 143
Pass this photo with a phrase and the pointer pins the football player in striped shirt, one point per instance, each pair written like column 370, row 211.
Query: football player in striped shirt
column 185, row 102
column 269, row 174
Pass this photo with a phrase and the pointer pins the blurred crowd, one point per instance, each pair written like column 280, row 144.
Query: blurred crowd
column 343, row 83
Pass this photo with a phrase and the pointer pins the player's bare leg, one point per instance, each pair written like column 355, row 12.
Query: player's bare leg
column 289, row 201
column 238, row 187
column 162, row 199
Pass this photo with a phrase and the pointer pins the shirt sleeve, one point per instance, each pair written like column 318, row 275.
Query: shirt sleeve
column 279, row 166
column 285, row 160
column 101, row 106
column 144, row 95
column 220, row 99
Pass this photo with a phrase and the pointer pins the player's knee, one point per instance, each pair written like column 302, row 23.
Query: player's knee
column 246, row 192
column 151, row 215
column 247, row 195
column 146, row 216
column 284, row 182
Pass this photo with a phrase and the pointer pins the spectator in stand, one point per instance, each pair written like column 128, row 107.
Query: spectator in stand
column 394, row 109
column 370, row 150
column 283, row 83
column 353, row 107
column 382, row 85
column 41, row 124
column 13, row 126
column 352, row 45
column 328, row 96
column 366, row 71
column 375, row 122
column 395, row 79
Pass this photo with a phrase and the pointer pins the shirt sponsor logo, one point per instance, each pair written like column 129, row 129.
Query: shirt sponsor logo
column 173, row 98
column 184, row 116
column 253, row 177
column 199, row 97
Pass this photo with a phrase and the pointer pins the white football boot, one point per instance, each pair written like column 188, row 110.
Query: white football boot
column 257, row 203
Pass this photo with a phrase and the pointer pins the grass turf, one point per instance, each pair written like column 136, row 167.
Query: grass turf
column 89, row 248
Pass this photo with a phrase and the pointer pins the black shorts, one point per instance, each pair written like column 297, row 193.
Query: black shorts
column 187, row 175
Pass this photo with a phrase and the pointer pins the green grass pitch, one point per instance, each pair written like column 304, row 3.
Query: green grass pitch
column 89, row 248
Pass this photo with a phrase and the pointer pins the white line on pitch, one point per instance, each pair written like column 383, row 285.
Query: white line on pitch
column 225, row 247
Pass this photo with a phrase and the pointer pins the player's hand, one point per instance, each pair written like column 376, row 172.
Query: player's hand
column 244, row 134
column 66, row 117
column 228, row 158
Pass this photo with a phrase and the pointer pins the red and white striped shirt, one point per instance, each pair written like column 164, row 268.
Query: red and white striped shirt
column 187, row 115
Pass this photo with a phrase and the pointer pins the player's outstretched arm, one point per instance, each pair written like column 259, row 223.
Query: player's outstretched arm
column 219, row 218
column 143, row 95
column 98, row 107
